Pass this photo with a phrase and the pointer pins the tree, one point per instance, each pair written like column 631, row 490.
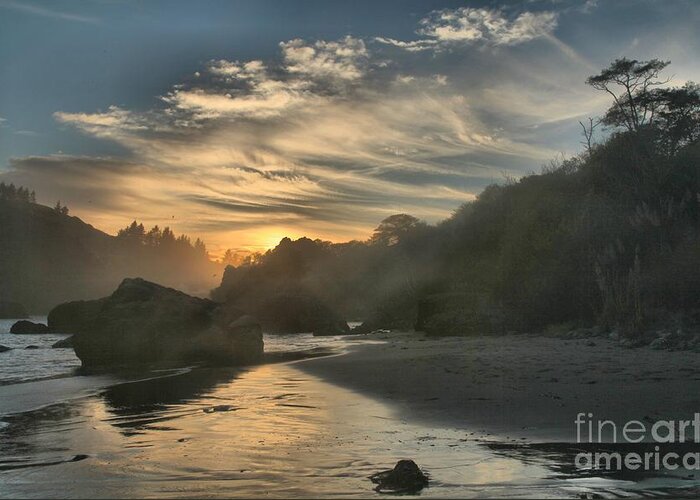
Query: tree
column 60, row 209
column 200, row 248
column 153, row 237
column 631, row 83
column 394, row 229
column 588, row 133
column 134, row 232
column 679, row 114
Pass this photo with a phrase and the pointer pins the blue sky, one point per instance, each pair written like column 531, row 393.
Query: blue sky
column 242, row 122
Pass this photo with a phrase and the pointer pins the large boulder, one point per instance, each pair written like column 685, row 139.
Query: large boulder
column 24, row 327
column 142, row 322
column 12, row 310
column 292, row 310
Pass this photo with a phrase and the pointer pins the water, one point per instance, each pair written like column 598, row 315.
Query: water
column 267, row 431
column 23, row 365
column 270, row 430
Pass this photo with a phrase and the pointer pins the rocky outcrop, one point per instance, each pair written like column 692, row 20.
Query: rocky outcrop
column 12, row 310
column 405, row 477
column 24, row 327
column 66, row 343
column 142, row 322
column 291, row 311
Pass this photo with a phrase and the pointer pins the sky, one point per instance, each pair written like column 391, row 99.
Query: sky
column 243, row 122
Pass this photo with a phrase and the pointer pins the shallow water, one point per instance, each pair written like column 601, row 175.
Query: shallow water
column 23, row 365
column 270, row 430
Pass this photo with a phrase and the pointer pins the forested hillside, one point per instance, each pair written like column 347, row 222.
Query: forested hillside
column 609, row 238
column 48, row 257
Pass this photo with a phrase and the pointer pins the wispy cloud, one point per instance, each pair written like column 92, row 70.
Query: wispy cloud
column 467, row 25
column 31, row 8
column 471, row 25
column 330, row 136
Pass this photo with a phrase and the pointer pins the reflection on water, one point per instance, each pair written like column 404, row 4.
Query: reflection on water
column 270, row 430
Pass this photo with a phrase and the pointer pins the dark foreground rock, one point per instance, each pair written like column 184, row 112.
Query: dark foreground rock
column 12, row 310
column 24, row 327
column 63, row 344
column 405, row 477
column 142, row 322
column 4, row 348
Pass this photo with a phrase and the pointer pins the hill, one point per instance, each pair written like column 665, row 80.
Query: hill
column 48, row 257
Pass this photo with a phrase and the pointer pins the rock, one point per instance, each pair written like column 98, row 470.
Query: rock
column 405, row 477
column 659, row 344
column 219, row 408
column 24, row 327
column 239, row 343
column 293, row 310
column 12, row 310
column 142, row 322
column 63, row 344
column 5, row 348
column 32, row 347
column 333, row 329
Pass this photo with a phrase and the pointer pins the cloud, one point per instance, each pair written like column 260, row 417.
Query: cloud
column 468, row 25
column 344, row 59
column 45, row 12
column 410, row 46
column 329, row 137
column 104, row 124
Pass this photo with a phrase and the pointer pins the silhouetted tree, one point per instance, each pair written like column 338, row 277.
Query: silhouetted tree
column 60, row 209
column 630, row 83
column 394, row 229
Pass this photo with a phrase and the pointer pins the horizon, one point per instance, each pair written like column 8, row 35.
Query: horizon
column 244, row 123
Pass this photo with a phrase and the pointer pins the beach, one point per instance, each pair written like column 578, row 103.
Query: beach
column 524, row 387
column 472, row 412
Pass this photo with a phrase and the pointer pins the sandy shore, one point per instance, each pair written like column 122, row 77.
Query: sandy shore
column 523, row 387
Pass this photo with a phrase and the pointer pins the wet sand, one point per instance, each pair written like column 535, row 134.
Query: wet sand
column 320, row 427
column 270, row 431
column 522, row 387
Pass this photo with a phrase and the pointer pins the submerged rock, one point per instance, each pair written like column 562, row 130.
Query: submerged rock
column 405, row 477
column 142, row 322
column 12, row 310
column 63, row 344
column 4, row 348
column 32, row 347
column 24, row 327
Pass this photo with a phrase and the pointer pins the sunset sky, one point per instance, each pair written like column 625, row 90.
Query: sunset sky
column 242, row 122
